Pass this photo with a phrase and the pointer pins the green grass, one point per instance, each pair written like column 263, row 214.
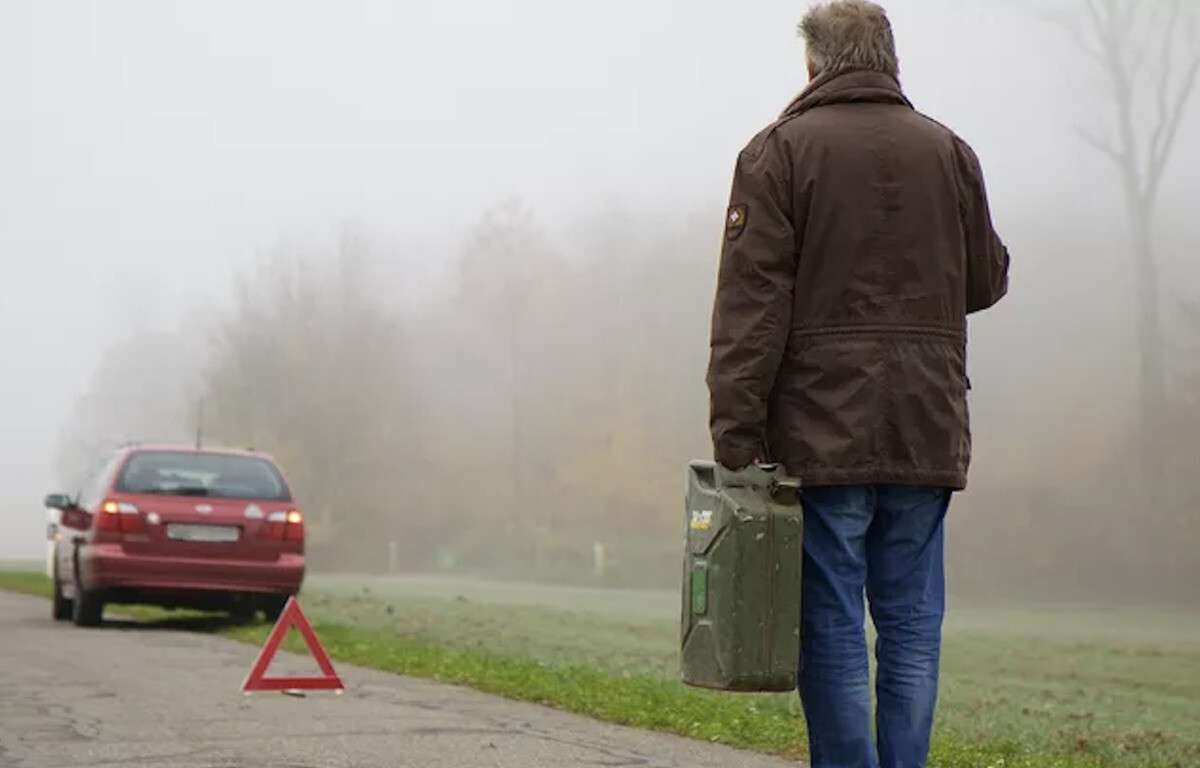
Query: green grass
column 26, row 582
column 1021, row 689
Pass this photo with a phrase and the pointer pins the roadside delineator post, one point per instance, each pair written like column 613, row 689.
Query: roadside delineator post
column 257, row 680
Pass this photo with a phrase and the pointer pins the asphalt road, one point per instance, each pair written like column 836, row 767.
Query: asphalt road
column 129, row 695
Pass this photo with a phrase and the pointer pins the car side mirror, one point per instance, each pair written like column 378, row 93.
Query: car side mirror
column 59, row 501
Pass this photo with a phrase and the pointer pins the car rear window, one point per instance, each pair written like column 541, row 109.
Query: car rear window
column 215, row 475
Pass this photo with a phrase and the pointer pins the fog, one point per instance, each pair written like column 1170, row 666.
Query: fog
column 452, row 262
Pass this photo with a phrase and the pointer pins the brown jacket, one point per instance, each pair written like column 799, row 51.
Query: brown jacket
column 857, row 241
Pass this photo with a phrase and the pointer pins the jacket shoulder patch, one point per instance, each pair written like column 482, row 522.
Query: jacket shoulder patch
column 735, row 221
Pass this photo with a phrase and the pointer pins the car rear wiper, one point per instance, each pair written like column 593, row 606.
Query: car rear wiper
column 188, row 490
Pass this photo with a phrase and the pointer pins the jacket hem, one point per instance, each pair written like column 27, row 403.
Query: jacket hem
column 811, row 477
column 875, row 329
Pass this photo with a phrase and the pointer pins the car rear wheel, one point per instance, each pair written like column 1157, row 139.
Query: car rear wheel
column 272, row 607
column 87, row 609
column 62, row 607
column 243, row 609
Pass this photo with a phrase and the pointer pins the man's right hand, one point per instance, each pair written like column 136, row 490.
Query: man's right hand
column 753, row 475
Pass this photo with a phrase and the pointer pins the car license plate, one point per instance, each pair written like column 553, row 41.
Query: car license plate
column 214, row 533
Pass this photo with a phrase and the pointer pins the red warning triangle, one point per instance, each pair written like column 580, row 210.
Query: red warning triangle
column 292, row 616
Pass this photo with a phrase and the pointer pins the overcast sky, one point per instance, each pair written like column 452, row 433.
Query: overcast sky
column 149, row 150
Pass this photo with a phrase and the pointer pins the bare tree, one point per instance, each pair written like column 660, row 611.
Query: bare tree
column 1148, row 52
column 311, row 364
column 506, row 269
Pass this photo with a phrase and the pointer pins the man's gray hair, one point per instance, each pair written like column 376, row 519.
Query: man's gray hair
column 849, row 34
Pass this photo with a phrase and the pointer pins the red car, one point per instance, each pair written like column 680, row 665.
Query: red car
column 176, row 526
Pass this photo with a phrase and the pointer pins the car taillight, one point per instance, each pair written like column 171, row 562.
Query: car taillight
column 120, row 516
column 295, row 526
column 284, row 526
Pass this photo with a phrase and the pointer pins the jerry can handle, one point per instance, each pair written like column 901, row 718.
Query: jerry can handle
column 760, row 475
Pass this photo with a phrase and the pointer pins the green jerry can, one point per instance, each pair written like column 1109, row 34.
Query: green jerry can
column 741, row 579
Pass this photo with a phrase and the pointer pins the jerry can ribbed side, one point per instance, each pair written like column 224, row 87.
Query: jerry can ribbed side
column 740, row 628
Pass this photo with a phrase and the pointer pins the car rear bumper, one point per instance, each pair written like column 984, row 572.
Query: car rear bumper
column 108, row 566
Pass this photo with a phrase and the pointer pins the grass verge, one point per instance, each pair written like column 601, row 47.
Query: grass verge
column 480, row 647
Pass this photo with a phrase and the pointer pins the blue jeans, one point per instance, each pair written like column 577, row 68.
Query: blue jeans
column 887, row 540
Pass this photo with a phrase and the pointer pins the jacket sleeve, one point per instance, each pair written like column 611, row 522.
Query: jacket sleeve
column 753, row 308
column 987, row 258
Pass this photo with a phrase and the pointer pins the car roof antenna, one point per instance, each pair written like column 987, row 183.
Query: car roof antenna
column 200, row 424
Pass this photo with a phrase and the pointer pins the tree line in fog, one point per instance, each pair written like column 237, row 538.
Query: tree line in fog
column 543, row 394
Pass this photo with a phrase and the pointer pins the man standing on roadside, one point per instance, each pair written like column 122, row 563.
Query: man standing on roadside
column 857, row 241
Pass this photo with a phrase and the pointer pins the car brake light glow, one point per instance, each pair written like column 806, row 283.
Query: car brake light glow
column 120, row 516
column 283, row 525
column 295, row 526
